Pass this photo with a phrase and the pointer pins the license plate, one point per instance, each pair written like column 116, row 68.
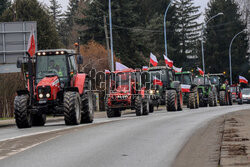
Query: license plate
column 43, row 101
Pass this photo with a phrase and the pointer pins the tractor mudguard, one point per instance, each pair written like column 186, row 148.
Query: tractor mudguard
column 72, row 89
column 175, row 85
column 22, row 92
column 79, row 82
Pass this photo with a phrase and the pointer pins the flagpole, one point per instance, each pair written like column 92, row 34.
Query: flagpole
column 165, row 28
column 230, row 56
column 111, row 37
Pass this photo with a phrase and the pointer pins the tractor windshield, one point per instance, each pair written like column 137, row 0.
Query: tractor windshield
column 160, row 76
column 51, row 65
column 183, row 79
column 202, row 81
column 122, row 81
column 215, row 80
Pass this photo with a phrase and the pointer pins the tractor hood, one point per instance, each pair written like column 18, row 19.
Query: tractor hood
column 49, row 81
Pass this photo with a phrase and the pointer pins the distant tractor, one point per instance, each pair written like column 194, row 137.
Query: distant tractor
column 189, row 89
column 236, row 93
column 223, row 88
column 125, row 92
column 207, row 92
column 163, row 89
column 54, row 87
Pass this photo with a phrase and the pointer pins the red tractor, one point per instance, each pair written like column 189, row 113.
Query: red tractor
column 125, row 92
column 54, row 87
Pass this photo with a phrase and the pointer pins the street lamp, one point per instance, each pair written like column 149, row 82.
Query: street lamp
column 111, row 37
column 230, row 55
column 202, row 44
column 165, row 30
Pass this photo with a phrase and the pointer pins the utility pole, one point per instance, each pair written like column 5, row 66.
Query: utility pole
column 111, row 37
column 107, row 41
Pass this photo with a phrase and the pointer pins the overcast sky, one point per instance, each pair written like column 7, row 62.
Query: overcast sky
column 202, row 3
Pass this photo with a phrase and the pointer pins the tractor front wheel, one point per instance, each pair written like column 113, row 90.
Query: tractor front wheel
column 87, row 115
column 139, row 106
column 211, row 99
column 22, row 116
column 72, row 108
column 191, row 100
column 171, row 100
column 223, row 99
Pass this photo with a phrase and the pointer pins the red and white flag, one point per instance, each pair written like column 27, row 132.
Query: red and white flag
column 120, row 67
column 107, row 72
column 153, row 60
column 145, row 68
column 32, row 44
column 200, row 71
column 185, row 88
column 168, row 62
column 177, row 69
column 157, row 81
column 243, row 80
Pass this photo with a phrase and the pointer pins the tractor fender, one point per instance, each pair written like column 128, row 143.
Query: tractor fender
column 176, row 86
column 79, row 82
column 22, row 92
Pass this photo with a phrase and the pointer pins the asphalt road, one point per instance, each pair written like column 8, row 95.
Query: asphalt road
column 153, row 140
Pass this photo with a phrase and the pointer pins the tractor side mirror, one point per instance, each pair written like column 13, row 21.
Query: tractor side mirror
column 19, row 63
column 79, row 59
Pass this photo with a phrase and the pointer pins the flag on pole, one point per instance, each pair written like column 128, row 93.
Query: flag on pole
column 145, row 68
column 177, row 69
column 153, row 60
column 120, row 67
column 157, row 81
column 200, row 71
column 32, row 44
column 243, row 80
column 168, row 62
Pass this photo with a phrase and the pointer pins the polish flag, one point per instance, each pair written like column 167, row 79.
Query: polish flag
column 145, row 68
column 185, row 88
column 200, row 71
column 32, row 44
column 177, row 69
column 157, row 81
column 153, row 60
column 120, row 67
column 168, row 61
column 107, row 72
column 243, row 80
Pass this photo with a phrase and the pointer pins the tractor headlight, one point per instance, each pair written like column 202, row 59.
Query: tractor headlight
column 40, row 95
column 151, row 92
column 157, row 91
column 48, row 95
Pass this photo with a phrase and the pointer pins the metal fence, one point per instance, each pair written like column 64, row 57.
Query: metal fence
column 14, row 37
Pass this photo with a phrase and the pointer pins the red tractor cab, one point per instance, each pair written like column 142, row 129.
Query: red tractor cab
column 125, row 92
column 54, row 87
column 236, row 93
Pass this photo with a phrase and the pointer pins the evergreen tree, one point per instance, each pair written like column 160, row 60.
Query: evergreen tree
column 55, row 11
column 4, row 4
column 219, row 33
column 32, row 10
column 188, row 28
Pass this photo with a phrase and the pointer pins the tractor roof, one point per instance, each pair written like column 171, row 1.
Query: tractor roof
column 219, row 74
column 158, row 68
column 184, row 72
column 126, row 71
column 55, row 51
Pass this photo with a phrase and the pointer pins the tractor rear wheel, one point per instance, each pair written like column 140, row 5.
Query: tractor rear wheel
column 222, row 98
column 146, row 105
column 191, row 100
column 180, row 101
column 211, row 99
column 72, row 108
column 171, row 100
column 87, row 115
column 22, row 116
column 39, row 120
column 139, row 106
column 230, row 98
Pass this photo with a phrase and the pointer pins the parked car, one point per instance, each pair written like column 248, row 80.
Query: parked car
column 246, row 95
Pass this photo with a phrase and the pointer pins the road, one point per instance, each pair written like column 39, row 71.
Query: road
column 153, row 140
